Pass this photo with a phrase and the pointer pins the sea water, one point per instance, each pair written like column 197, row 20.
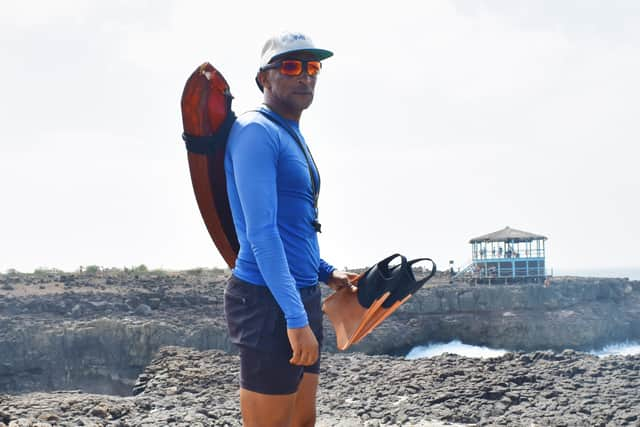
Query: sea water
column 457, row 347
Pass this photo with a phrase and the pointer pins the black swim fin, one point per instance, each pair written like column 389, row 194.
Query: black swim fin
column 405, row 286
column 350, row 312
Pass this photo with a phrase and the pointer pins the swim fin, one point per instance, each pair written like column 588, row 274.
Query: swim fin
column 404, row 288
column 351, row 312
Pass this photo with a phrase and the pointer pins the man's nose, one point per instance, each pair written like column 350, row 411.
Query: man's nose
column 306, row 78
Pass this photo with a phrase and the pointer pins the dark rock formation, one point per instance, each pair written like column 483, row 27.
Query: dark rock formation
column 97, row 332
column 575, row 313
column 185, row 387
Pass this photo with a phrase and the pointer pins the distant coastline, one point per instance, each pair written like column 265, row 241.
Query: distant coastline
column 632, row 273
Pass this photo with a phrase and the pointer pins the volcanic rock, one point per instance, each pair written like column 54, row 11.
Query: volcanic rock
column 185, row 387
column 98, row 332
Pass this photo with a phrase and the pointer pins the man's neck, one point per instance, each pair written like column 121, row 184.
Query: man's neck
column 284, row 112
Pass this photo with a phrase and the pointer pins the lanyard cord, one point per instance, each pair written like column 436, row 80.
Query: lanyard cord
column 315, row 186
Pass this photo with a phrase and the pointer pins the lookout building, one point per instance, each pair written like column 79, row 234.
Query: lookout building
column 507, row 255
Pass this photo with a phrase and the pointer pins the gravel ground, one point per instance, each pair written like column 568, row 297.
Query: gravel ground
column 186, row 387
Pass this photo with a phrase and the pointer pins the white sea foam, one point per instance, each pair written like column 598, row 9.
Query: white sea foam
column 454, row 347
column 624, row 349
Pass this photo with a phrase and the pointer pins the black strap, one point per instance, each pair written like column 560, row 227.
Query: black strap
column 433, row 269
column 210, row 143
column 315, row 186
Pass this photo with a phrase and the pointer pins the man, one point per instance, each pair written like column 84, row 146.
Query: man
column 272, row 300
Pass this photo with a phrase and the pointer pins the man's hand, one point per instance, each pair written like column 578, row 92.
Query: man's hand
column 304, row 345
column 342, row 279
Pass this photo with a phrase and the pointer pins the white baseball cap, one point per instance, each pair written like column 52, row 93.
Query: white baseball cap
column 286, row 43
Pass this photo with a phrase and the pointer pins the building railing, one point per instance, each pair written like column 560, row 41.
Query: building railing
column 507, row 274
column 505, row 268
column 535, row 254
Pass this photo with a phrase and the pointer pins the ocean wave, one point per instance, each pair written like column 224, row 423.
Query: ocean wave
column 626, row 348
column 454, row 347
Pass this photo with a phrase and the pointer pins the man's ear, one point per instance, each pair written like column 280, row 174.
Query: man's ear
column 264, row 81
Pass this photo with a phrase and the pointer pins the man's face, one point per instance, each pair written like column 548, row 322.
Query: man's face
column 292, row 93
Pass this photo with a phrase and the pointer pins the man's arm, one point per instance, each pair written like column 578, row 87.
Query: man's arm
column 254, row 157
column 324, row 270
column 335, row 279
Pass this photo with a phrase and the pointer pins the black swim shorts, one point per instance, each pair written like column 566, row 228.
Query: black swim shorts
column 258, row 328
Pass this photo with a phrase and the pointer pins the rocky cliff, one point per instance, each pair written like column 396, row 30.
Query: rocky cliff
column 575, row 313
column 97, row 332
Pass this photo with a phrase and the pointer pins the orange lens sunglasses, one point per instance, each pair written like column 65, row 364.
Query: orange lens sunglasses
column 294, row 67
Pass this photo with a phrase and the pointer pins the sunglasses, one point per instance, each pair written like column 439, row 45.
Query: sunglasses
column 294, row 67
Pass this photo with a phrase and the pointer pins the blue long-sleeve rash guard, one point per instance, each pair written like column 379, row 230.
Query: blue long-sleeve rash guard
column 271, row 199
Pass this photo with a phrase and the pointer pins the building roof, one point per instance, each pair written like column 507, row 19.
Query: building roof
column 508, row 234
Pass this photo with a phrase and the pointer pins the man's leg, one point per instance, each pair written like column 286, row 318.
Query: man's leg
column 269, row 384
column 304, row 412
column 268, row 410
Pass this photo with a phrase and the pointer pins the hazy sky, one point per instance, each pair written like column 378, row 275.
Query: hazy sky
column 434, row 122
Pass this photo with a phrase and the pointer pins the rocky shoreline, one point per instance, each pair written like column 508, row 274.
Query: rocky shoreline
column 186, row 387
column 101, row 332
